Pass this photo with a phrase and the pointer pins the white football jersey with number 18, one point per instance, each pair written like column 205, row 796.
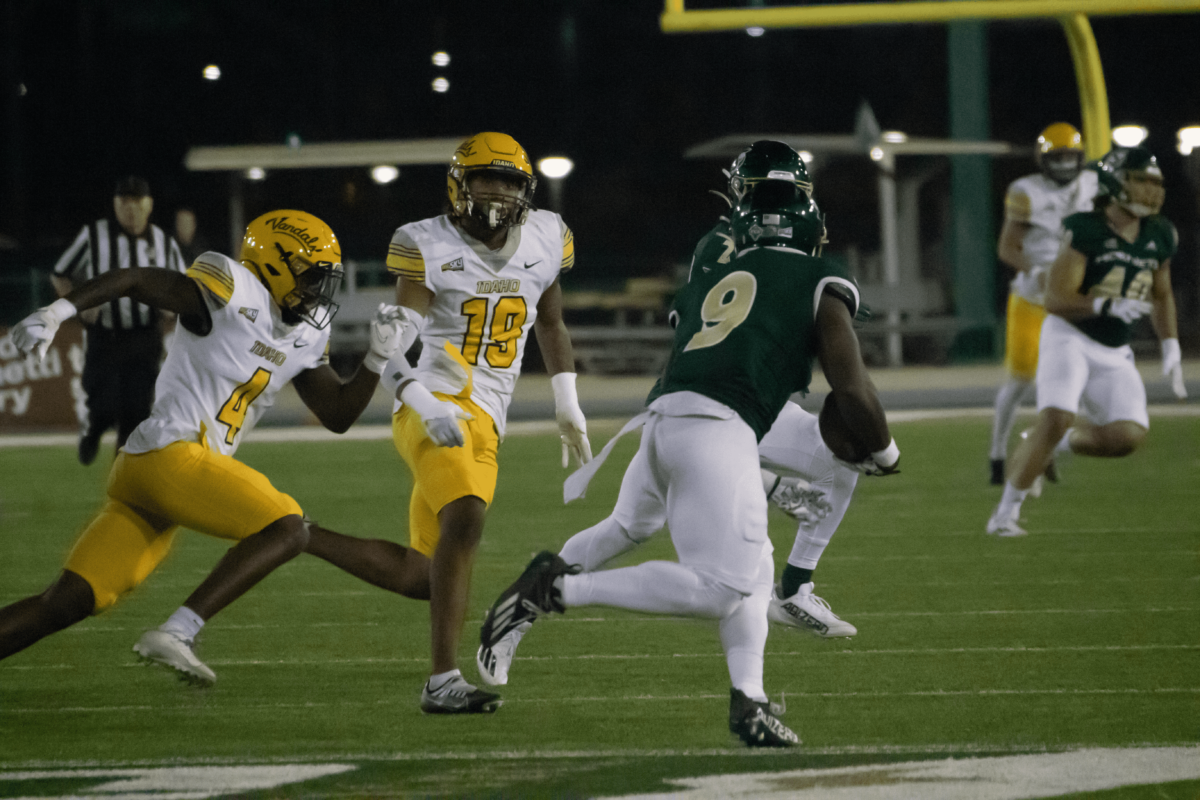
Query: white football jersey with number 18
column 485, row 302
column 213, row 389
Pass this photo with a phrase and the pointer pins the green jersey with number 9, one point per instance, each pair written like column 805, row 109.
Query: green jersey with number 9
column 745, row 326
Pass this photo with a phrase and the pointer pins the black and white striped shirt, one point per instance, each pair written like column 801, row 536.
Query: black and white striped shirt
column 103, row 246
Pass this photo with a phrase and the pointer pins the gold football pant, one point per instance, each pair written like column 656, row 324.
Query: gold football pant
column 1023, row 332
column 150, row 495
column 442, row 475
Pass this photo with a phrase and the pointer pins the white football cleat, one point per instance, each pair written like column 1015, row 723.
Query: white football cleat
column 174, row 653
column 494, row 661
column 1004, row 524
column 806, row 611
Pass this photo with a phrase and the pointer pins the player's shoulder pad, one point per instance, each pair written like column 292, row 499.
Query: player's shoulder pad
column 215, row 274
column 1164, row 233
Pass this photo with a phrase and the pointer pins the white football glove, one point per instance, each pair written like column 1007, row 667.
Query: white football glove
column 34, row 334
column 439, row 417
column 798, row 499
column 1125, row 309
column 1173, row 367
column 883, row 462
column 572, row 427
column 387, row 328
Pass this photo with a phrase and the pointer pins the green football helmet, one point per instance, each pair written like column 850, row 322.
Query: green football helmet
column 767, row 160
column 1131, row 178
column 777, row 213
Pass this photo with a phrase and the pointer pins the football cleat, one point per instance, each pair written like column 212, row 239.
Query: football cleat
column 800, row 501
column 174, row 653
column 806, row 611
column 456, row 696
column 757, row 724
column 1004, row 524
column 532, row 594
column 494, row 661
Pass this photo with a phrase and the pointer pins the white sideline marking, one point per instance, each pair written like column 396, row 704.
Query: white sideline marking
column 367, row 433
column 640, row 698
column 735, row 751
column 998, row 778
column 918, row 651
column 178, row 782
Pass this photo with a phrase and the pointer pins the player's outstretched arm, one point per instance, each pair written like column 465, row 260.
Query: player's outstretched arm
column 555, row 344
column 1166, row 326
column 158, row 287
column 338, row 404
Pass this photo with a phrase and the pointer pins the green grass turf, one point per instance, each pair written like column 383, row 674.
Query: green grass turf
column 1085, row 633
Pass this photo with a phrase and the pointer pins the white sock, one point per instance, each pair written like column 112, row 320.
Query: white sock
column 744, row 636
column 594, row 547
column 663, row 587
column 1008, row 402
column 442, row 678
column 1064, row 444
column 184, row 623
column 1010, row 501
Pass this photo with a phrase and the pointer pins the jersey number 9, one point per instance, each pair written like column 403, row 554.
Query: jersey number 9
column 724, row 308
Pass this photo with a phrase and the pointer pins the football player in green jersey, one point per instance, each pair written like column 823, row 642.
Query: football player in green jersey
column 1114, row 268
column 746, row 334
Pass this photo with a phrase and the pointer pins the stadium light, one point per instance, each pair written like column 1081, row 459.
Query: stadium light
column 212, row 73
column 441, row 85
column 877, row 154
column 805, row 156
column 756, row 31
column 384, row 173
column 441, row 59
column 555, row 166
column 1129, row 135
column 1189, row 139
column 895, row 137
column 256, row 173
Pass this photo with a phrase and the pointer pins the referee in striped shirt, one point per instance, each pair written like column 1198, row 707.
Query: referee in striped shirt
column 124, row 338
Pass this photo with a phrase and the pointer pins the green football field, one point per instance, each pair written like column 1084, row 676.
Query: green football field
column 1046, row 663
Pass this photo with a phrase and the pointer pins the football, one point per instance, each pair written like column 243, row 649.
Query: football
column 844, row 442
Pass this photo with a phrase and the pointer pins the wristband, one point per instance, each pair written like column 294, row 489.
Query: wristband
column 62, row 309
column 565, row 395
column 888, row 456
column 1170, row 350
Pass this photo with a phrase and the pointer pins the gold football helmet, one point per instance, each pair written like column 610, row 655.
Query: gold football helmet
column 497, row 153
column 299, row 260
column 1060, row 152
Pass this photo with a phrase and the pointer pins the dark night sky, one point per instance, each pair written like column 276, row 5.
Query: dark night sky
column 115, row 86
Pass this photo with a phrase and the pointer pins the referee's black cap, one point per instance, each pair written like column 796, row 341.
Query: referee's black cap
column 132, row 186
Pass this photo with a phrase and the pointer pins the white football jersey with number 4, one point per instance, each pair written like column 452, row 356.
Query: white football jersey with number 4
column 485, row 302
column 213, row 389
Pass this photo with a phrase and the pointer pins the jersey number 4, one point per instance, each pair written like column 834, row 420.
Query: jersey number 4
column 507, row 321
column 724, row 308
column 233, row 413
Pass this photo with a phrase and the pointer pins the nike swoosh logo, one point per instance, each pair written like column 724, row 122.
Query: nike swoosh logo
column 300, row 344
column 534, row 264
column 706, row 269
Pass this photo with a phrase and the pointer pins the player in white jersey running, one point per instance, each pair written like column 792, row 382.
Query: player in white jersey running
column 477, row 279
column 246, row 329
column 1034, row 208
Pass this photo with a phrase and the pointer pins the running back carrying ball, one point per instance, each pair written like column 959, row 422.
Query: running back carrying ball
column 838, row 436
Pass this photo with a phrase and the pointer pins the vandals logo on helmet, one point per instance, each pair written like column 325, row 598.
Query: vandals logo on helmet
column 466, row 149
column 282, row 225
